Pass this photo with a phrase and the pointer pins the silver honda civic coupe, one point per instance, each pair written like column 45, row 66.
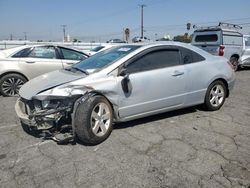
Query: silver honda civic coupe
column 121, row 84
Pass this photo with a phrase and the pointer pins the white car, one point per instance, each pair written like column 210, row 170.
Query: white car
column 20, row 64
column 244, row 60
column 100, row 49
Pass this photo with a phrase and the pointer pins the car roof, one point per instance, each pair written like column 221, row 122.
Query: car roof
column 10, row 51
column 168, row 43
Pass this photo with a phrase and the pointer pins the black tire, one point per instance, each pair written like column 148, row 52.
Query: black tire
column 10, row 84
column 234, row 62
column 84, row 120
column 215, row 96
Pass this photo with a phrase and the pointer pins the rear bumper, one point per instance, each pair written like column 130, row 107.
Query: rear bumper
column 231, row 84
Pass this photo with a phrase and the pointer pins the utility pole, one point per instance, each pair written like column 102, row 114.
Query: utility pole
column 64, row 32
column 11, row 37
column 25, row 35
column 142, row 27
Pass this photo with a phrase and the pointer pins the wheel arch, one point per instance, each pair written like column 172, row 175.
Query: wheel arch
column 13, row 72
column 99, row 93
column 236, row 56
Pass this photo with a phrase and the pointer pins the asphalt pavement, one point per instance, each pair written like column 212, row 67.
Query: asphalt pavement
column 184, row 148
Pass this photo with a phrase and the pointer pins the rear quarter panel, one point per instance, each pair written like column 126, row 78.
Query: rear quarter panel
column 202, row 74
column 10, row 66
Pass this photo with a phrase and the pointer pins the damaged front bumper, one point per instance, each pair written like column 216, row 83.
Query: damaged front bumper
column 39, row 118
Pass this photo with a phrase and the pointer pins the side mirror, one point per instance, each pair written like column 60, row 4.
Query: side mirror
column 123, row 72
column 125, row 80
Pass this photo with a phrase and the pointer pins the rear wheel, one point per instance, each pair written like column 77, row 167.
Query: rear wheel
column 215, row 96
column 93, row 120
column 10, row 84
column 234, row 62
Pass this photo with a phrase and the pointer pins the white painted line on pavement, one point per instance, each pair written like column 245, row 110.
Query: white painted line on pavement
column 9, row 126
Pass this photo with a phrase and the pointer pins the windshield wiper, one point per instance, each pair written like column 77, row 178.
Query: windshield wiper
column 77, row 69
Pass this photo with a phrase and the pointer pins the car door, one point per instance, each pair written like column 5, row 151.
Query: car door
column 70, row 57
column 40, row 60
column 156, row 81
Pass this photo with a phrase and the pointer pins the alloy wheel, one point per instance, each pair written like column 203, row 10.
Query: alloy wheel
column 217, row 95
column 100, row 119
column 12, row 85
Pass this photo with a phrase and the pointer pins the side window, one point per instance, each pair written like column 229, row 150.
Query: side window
column 155, row 60
column 22, row 53
column 43, row 52
column 232, row 40
column 189, row 56
column 247, row 41
column 72, row 55
column 206, row 38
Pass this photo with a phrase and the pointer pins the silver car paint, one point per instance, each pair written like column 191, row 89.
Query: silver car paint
column 47, row 81
column 145, row 99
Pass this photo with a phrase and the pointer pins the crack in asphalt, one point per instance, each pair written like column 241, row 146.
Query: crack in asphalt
column 147, row 155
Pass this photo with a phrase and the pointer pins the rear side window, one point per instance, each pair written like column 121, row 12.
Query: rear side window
column 47, row 52
column 22, row 53
column 155, row 60
column 189, row 56
column 72, row 55
column 206, row 38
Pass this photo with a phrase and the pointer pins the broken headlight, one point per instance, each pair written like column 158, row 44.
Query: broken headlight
column 45, row 104
column 51, row 104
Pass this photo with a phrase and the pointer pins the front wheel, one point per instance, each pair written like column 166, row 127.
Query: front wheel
column 93, row 120
column 215, row 96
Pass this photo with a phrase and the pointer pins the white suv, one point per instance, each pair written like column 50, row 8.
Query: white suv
column 222, row 40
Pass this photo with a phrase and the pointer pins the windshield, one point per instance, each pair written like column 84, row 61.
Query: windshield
column 105, row 58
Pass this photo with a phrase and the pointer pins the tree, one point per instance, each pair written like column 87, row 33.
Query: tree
column 183, row 38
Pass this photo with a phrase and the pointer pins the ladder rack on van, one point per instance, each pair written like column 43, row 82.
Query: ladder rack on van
column 221, row 26
column 230, row 26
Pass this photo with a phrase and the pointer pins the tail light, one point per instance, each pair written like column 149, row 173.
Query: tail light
column 221, row 50
column 230, row 65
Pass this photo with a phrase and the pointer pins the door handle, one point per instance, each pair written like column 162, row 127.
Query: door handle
column 68, row 63
column 30, row 62
column 177, row 73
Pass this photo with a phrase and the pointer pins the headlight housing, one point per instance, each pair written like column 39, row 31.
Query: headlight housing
column 51, row 104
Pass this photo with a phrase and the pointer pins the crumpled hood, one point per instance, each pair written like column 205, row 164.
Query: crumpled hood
column 47, row 81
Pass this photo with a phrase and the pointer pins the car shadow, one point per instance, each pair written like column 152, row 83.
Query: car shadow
column 243, row 69
column 122, row 125
column 153, row 118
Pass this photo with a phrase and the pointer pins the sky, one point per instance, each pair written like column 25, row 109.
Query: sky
column 101, row 20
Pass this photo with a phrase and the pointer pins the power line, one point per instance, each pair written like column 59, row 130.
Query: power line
column 200, row 23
